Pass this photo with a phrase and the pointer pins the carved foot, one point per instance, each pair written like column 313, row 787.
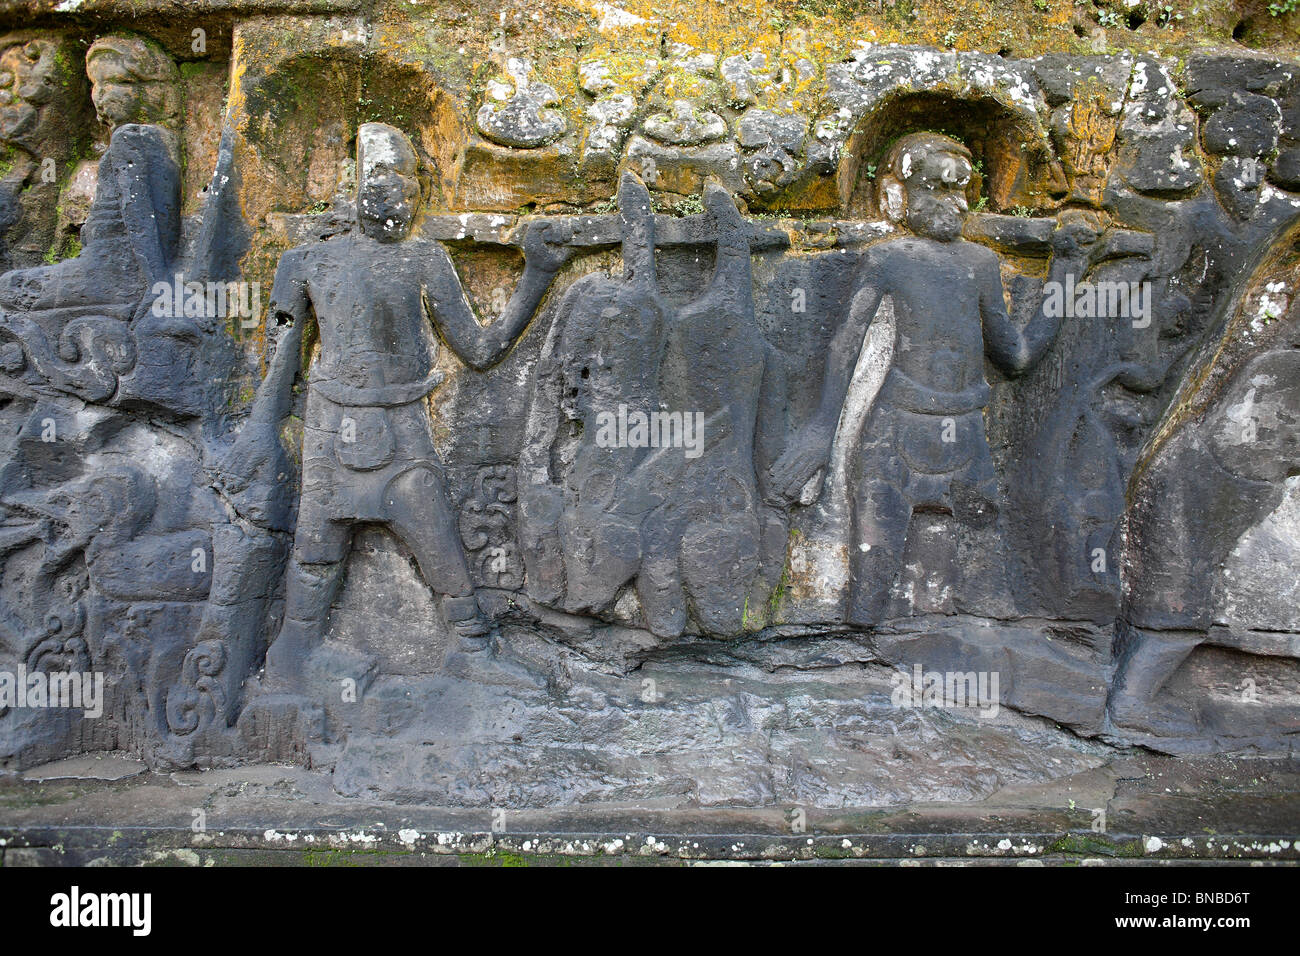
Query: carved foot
column 466, row 620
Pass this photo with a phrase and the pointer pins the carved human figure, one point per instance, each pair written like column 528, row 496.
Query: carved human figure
column 675, row 508
column 368, row 453
column 202, row 692
column 40, row 102
column 1084, row 131
column 581, row 529
column 923, row 446
column 1216, row 479
column 107, row 572
column 65, row 326
column 132, row 232
column 713, row 543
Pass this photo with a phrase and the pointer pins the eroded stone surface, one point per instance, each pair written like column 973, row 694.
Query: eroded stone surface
column 644, row 423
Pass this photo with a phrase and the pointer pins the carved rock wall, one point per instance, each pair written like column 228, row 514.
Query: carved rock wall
column 529, row 407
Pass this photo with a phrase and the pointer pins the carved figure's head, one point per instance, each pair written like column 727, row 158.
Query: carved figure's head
column 133, row 81
column 28, row 80
column 923, row 185
column 387, row 187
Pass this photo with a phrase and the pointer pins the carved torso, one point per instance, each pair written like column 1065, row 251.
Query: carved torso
column 366, row 298
column 935, row 286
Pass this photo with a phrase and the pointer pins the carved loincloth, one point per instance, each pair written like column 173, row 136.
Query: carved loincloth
column 359, row 440
column 925, row 441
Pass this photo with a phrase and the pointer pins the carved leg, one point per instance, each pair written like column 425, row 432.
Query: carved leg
column 980, row 566
column 245, row 569
column 416, row 508
column 720, row 563
column 881, row 514
column 602, row 552
column 320, row 553
column 659, row 584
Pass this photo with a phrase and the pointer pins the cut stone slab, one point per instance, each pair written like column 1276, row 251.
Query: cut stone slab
column 1157, row 810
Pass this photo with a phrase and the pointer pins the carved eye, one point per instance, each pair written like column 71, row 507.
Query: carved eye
column 6, row 78
column 33, row 51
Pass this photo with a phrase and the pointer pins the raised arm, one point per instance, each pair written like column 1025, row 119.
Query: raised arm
column 453, row 317
column 809, row 450
column 253, row 471
column 1013, row 350
column 148, row 187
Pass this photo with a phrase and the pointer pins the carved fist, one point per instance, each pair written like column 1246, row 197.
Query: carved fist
column 546, row 245
column 721, row 208
column 247, row 459
column 1076, row 234
column 230, row 470
column 806, row 455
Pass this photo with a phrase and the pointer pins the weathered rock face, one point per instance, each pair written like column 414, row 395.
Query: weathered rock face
column 768, row 419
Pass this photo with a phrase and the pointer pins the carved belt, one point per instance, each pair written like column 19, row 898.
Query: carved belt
column 903, row 393
column 378, row 396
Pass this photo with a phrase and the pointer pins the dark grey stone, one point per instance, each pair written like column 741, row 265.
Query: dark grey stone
column 693, row 524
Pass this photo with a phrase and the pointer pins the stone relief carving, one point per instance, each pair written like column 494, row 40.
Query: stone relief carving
column 681, row 436
column 519, row 116
column 368, row 452
column 42, row 121
column 653, row 412
column 488, row 528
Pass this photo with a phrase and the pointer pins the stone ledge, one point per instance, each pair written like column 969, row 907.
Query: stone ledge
column 1159, row 810
column 375, row 843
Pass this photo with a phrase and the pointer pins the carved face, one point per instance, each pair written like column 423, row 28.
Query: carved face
column 26, row 83
column 124, row 83
column 117, row 97
column 935, row 181
column 386, row 204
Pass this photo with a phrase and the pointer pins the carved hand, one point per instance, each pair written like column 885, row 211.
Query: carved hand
column 245, row 459
column 227, row 470
column 808, row 452
column 546, row 245
column 721, row 208
column 1076, row 235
